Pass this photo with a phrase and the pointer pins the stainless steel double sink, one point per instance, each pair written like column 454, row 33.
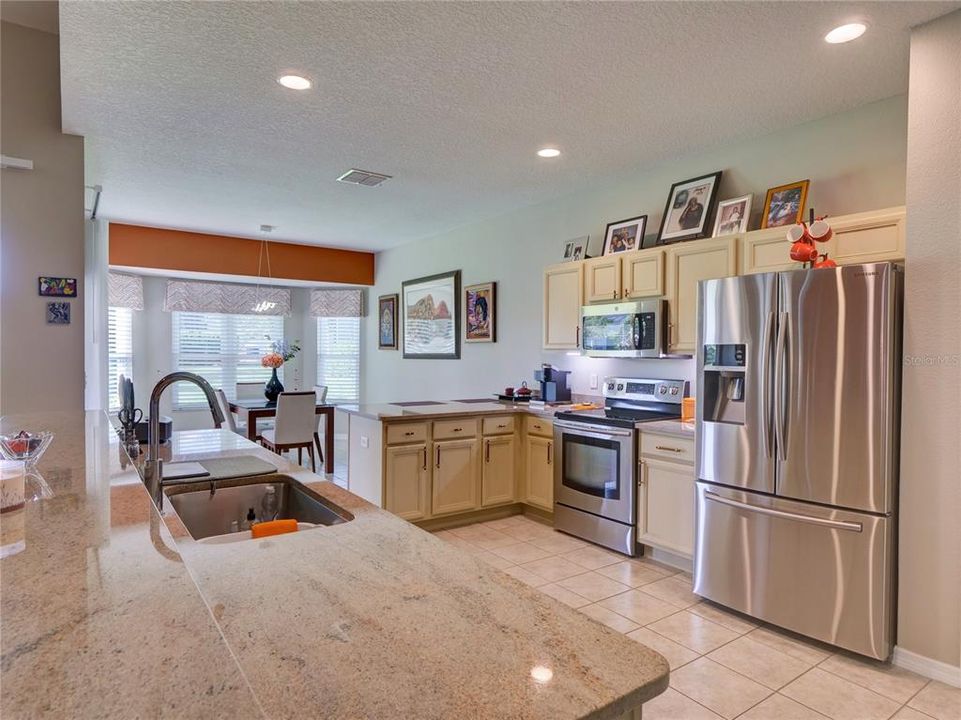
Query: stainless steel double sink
column 220, row 507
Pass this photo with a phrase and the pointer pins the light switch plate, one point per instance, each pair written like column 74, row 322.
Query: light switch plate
column 364, row 441
column 594, row 381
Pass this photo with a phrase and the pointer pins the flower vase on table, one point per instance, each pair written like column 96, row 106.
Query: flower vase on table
column 273, row 388
column 280, row 353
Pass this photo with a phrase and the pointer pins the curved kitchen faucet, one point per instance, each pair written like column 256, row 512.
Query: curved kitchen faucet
column 153, row 468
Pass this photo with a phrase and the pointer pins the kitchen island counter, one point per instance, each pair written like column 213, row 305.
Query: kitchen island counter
column 372, row 618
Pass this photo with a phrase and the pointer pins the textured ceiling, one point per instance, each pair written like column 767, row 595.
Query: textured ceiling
column 186, row 126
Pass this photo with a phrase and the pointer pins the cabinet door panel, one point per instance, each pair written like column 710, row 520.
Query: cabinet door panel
column 454, row 486
column 689, row 263
column 562, row 306
column 407, row 473
column 643, row 273
column 539, row 480
column 666, row 511
column 602, row 279
column 497, row 479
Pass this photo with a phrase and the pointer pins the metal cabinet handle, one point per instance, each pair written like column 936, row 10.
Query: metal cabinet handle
column 627, row 293
column 502, row 426
column 665, row 447
column 487, row 451
column 640, row 475
column 437, row 462
column 425, row 458
column 457, row 429
column 408, row 433
column 577, row 342
column 550, row 453
column 614, row 294
column 760, row 510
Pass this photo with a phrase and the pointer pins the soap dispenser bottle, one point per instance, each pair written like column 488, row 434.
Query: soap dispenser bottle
column 249, row 520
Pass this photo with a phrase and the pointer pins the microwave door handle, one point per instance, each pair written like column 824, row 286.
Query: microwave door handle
column 636, row 331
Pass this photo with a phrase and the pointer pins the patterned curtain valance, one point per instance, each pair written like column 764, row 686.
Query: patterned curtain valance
column 125, row 291
column 215, row 297
column 337, row 303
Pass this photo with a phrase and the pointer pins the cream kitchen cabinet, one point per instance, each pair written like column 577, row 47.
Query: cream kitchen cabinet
column 407, row 481
column 665, row 495
column 454, row 476
column 602, row 279
column 539, row 478
column 563, row 298
column 687, row 264
column 642, row 273
column 497, row 470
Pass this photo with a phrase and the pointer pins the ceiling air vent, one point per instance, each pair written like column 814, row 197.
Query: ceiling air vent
column 363, row 177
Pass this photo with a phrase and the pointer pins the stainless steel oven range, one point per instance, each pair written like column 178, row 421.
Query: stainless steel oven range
column 595, row 476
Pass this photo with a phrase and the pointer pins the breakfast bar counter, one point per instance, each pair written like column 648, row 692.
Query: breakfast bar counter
column 112, row 610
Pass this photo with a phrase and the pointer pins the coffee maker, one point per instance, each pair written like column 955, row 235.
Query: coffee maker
column 553, row 384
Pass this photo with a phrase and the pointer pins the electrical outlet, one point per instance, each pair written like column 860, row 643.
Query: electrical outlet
column 594, row 381
column 364, row 441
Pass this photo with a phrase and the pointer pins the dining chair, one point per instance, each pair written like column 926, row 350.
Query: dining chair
column 250, row 390
column 237, row 427
column 321, row 391
column 295, row 426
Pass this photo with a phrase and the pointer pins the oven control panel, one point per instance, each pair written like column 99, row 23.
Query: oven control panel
column 672, row 391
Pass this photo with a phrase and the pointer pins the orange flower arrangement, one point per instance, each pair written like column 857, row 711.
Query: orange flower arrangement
column 272, row 360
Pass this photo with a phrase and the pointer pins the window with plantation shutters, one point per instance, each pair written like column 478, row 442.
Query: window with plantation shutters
column 119, row 351
column 223, row 349
column 338, row 358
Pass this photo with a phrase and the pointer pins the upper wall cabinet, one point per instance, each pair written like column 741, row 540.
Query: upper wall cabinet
column 875, row 236
column 632, row 275
column 687, row 264
column 602, row 279
column 562, row 306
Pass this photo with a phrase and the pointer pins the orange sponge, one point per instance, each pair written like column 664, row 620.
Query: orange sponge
column 274, row 527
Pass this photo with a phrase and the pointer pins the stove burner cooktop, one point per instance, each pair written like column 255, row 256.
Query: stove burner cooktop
column 621, row 416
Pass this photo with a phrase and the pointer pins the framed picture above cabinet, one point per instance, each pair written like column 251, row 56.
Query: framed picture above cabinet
column 688, row 209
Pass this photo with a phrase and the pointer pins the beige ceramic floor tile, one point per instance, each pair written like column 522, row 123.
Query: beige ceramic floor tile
column 805, row 650
column 939, row 701
column 520, row 553
column 609, row 618
column 676, row 655
column 568, row 597
column 639, row 606
column 490, row 542
column 760, row 662
column 717, row 688
column 528, row 531
column 631, row 573
column 675, row 590
column 558, row 543
column 731, row 620
column 502, row 523
column 554, row 568
column 662, row 568
column 883, row 678
column 525, row 576
column 593, row 586
column 838, row 698
column 908, row 713
column 778, row 707
column 692, row 631
column 593, row 557
column 473, row 533
column 672, row 705
column 493, row 560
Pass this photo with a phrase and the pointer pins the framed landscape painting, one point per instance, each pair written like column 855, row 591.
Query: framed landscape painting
column 387, row 322
column 479, row 311
column 431, row 310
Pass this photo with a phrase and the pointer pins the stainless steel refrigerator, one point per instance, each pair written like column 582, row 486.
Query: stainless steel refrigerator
column 798, row 387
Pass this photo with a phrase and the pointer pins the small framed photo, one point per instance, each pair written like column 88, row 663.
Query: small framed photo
column 480, row 312
column 57, row 287
column 732, row 216
column 624, row 235
column 784, row 205
column 576, row 249
column 688, row 208
column 58, row 313
column 387, row 321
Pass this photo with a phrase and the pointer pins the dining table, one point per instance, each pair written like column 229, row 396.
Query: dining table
column 256, row 408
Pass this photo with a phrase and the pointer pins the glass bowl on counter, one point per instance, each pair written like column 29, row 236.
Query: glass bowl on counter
column 25, row 446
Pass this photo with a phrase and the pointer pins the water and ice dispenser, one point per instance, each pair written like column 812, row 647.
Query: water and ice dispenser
column 725, row 375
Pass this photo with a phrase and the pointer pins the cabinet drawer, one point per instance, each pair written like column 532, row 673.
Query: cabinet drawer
column 498, row 425
column 453, row 429
column 669, row 447
column 406, row 433
column 540, row 426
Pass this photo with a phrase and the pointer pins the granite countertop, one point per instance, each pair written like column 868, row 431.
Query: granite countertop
column 112, row 610
column 452, row 408
column 670, row 427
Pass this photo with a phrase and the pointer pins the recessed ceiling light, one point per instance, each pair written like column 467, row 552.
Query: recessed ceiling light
column 845, row 33
column 294, row 82
column 548, row 152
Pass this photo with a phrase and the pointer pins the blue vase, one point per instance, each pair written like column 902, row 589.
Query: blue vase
column 273, row 388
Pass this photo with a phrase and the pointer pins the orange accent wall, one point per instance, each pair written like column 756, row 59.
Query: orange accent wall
column 163, row 249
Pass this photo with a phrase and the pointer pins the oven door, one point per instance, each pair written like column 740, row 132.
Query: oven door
column 595, row 469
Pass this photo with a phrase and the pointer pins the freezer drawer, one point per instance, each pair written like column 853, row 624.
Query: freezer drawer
column 824, row 573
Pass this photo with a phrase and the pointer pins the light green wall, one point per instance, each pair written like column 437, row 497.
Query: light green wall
column 855, row 161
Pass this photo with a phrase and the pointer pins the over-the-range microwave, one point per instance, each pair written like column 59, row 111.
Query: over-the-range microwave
column 624, row 329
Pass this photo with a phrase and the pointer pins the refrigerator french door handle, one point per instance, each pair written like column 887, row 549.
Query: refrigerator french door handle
column 766, row 385
column 780, row 378
column 809, row 519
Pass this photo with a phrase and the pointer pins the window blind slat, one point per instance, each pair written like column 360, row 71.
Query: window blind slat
column 119, row 351
column 338, row 358
column 223, row 349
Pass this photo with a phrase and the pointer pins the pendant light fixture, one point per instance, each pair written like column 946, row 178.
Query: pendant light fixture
column 263, row 303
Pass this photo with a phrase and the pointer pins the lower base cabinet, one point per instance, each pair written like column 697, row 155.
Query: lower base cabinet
column 454, row 485
column 665, row 512
column 539, row 482
column 407, row 482
column 497, row 475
